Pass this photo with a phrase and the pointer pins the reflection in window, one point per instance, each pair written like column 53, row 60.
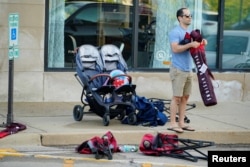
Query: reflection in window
column 237, row 15
column 236, row 51
column 212, row 43
column 100, row 23
column 90, row 14
column 234, row 45
column 165, row 21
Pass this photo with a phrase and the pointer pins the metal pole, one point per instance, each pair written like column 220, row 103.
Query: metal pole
column 10, row 92
column 220, row 36
column 135, row 32
column 240, row 13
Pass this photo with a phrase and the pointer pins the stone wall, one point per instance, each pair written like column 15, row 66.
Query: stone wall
column 29, row 67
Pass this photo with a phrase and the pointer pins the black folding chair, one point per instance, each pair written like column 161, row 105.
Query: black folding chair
column 172, row 146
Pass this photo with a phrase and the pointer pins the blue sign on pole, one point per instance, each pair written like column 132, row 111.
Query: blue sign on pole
column 13, row 35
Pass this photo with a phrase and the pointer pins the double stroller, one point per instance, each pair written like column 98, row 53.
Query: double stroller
column 107, row 89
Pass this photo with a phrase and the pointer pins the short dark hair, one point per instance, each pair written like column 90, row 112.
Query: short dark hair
column 180, row 12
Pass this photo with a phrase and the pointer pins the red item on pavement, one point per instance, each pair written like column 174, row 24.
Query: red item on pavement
column 163, row 144
column 12, row 129
column 100, row 146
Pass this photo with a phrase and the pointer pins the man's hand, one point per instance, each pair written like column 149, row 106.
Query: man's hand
column 204, row 42
column 195, row 44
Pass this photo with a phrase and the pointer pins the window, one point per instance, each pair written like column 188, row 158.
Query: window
column 235, row 49
column 74, row 23
column 87, row 23
column 235, row 44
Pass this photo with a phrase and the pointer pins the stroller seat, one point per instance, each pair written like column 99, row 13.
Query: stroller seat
column 115, row 65
column 99, row 94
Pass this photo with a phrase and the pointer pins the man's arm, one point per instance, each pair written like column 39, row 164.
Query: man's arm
column 177, row 48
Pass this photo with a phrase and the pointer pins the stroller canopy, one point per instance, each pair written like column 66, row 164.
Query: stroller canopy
column 112, row 58
column 90, row 57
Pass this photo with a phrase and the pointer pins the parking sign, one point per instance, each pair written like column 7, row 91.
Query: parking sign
column 13, row 35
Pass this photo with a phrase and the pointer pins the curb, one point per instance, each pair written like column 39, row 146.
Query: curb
column 241, row 137
column 124, row 137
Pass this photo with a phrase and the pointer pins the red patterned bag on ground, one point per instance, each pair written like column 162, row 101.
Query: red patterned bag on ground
column 161, row 144
column 170, row 145
column 100, row 146
column 12, row 128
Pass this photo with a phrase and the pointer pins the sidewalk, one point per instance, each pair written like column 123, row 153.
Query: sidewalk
column 52, row 124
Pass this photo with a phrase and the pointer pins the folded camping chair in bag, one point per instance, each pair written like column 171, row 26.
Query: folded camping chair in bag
column 204, row 74
column 172, row 146
column 100, row 146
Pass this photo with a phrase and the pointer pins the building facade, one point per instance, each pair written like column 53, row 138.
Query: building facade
column 44, row 69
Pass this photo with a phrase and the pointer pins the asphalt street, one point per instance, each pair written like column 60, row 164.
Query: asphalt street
column 27, row 156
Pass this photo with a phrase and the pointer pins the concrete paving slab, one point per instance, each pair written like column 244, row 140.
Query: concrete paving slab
column 53, row 124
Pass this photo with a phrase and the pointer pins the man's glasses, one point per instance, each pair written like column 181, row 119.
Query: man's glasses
column 187, row 16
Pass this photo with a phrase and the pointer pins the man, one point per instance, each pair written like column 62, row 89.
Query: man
column 181, row 70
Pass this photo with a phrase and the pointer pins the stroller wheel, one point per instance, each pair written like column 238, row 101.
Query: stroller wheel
column 121, row 115
column 132, row 119
column 187, row 120
column 106, row 119
column 78, row 113
column 177, row 119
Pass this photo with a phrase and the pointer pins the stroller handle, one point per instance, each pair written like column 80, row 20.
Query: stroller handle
column 100, row 75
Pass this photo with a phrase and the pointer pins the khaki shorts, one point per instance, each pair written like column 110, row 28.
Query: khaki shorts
column 181, row 82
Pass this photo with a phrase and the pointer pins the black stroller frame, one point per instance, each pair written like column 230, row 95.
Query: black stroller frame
column 101, row 96
column 167, row 108
column 113, row 61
